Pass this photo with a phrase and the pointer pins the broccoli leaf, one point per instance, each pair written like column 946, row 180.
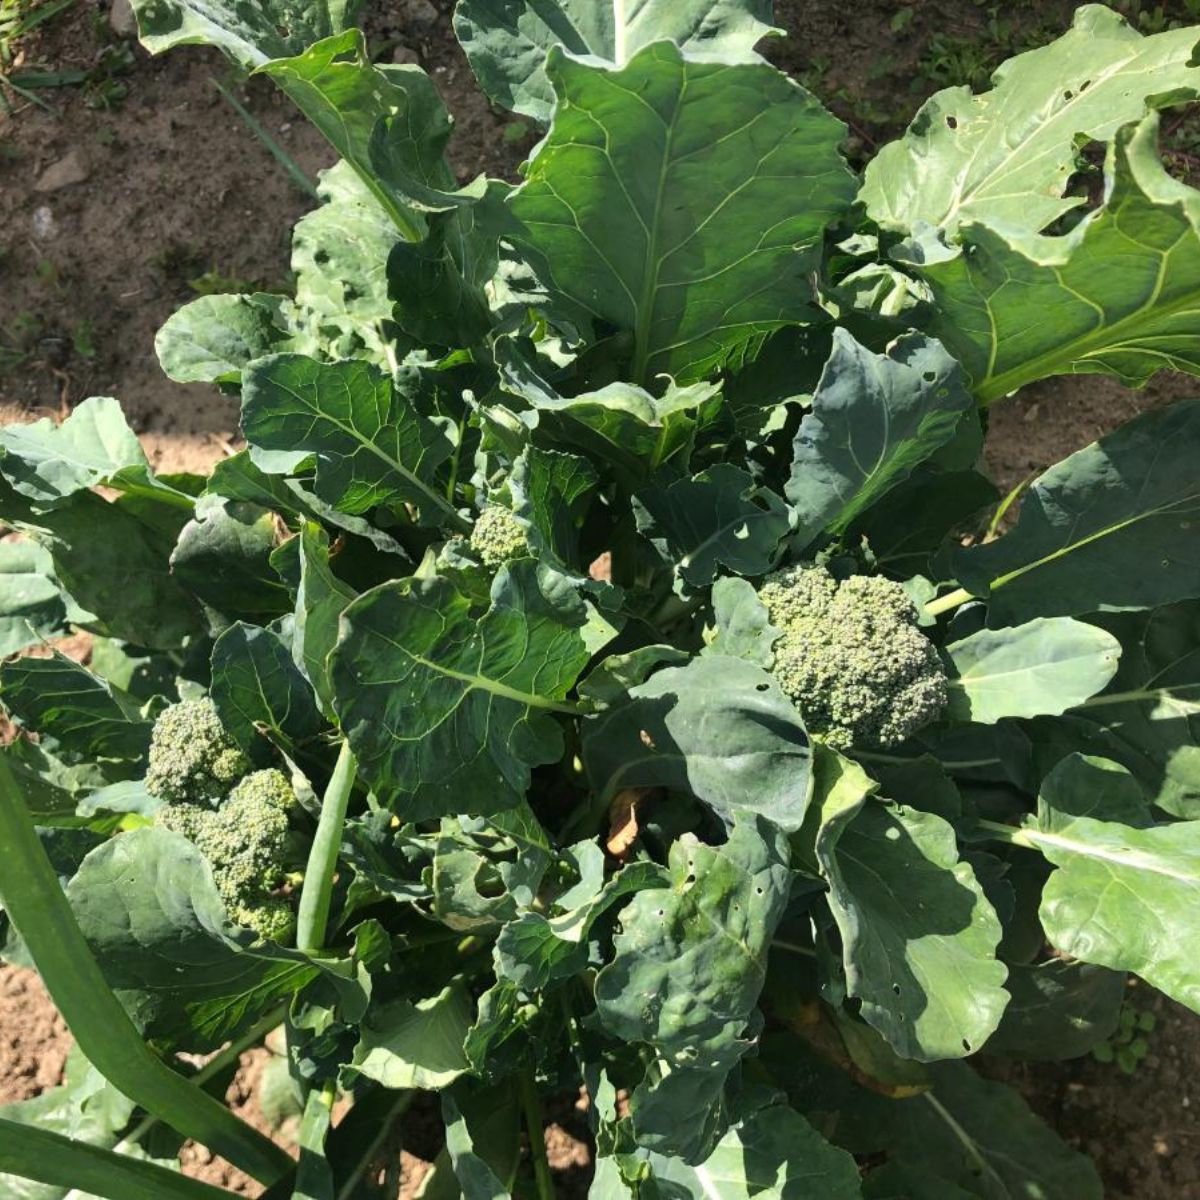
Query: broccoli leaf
column 223, row 556
column 407, row 1044
column 339, row 256
column 688, row 967
column 551, row 492
column 320, row 602
column 57, row 698
column 248, row 34
column 874, row 418
column 257, row 688
column 388, row 123
column 49, row 462
column 1149, row 716
column 919, row 936
column 720, row 517
column 965, row 1136
column 1123, row 898
column 1058, row 1010
column 212, row 339
column 741, row 625
column 681, row 201
column 447, row 711
column 507, row 44
column 718, row 728
column 771, row 1153
column 147, row 904
column 1042, row 667
column 1110, row 527
column 1005, row 155
column 31, row 604
column 535, row 950
column 1118, row 295
column 372, row 447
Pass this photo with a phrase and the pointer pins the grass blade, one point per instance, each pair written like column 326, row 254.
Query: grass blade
column 59, row 1161
column 281, row 156
column 34, row 900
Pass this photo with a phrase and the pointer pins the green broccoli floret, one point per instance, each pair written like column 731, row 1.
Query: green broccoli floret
column 192, row 758
column 498, row 537
column 851, row 656
column 245, row 840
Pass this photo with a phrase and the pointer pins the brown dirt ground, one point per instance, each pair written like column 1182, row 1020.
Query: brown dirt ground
column 176, row 187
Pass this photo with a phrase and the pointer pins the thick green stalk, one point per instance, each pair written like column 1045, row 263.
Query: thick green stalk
column 34, row 899
column 61, row 1162
column 317, row 892
column 949, row 601
column 534, row 1129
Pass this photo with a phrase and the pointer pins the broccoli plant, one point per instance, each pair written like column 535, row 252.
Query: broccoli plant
column 605, row 665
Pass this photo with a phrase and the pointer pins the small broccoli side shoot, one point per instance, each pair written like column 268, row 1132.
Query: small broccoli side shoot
column 498, row 537
column 852, row 657
column 245, row 840
column 192, row 759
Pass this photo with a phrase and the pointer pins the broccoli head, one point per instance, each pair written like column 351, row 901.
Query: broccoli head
column 245, row 840
column 192, row 758
column 851, row 656
column 498, row 537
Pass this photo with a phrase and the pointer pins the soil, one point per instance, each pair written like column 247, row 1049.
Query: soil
column 173, row 194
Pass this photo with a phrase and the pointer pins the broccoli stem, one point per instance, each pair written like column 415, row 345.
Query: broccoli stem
column 532, row 1108
column 317, row 892
column 949, row 601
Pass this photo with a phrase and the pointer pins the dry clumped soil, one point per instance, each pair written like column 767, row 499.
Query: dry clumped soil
column 111, row 217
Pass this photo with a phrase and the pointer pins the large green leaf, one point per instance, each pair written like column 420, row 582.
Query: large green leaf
column 31, row 605
column 214, row 337
column 1122, row 897
column 113, row 560
column 372, row 447
column 1150, row 715
column 1118, row 295
column 258, row 688
column 57, row 698
column 1058, row 1010
column 249, row 34
column 49, row 462
column 919, row 937
column 147, row 904
column 718, row 728
column 688, row 966
column 223, row 556
column 1110, row 527
column 1005, row 155
column 621, row 424
column 407, row 1044
column 446, row 710
column 339, row 257
column 1042, row 667
column 681, row 201
column 507, row 43
column 965, row 1135
column 534, row 950
column 874, row 418
column 719, row 518
column 770, row 1154
column 388, row 123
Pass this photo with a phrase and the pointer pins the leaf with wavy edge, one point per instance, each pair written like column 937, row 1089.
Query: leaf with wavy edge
column 1118, row 295
column 681, row 201
column 1005, row 155
column 506, row 44
column 1123, row 898
column 447, row 711
column 1110, row 527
